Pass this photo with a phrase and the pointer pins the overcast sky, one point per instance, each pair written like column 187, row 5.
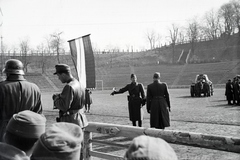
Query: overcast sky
column 111, row 23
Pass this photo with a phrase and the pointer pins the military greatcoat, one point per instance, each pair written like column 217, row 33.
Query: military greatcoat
column 135, row 99
column 229, row 91
column 17, row 94
column 157, row 104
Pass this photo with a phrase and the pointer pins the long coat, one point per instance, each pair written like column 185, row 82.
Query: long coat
column 135, row 90
column 88, row 98
column 236, row 92
column 17, row 94
column 157, row 103
column 70, row 103
column 229, row 91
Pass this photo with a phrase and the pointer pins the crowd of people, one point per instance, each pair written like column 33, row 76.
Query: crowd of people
column 23, row 133
column 232, row 91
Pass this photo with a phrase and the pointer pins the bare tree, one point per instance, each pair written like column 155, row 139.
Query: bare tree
column 211, row 25
column 48, row 44
column 152, row 37
column 56, row 43
column 236, row 10
column 44, row 58
column 173, row 35
column 128, row 46
column 24, row 49
column 193, row 33
column 182, row 35
column 226, row 13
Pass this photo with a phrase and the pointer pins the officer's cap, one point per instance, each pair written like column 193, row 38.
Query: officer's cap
column 62, row 68
column 61, row 141
column 27, row 124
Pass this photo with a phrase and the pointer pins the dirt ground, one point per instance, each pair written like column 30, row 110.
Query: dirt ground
column 208, row 115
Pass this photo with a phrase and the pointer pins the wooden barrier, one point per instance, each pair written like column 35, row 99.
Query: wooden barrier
column 223, row 143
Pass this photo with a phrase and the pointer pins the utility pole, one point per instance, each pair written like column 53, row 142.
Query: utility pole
column 1, row 47
column 1, row 55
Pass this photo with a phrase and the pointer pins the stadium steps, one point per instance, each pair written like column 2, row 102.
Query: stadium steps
column 235, row 69
column 50, row 82
column 39, row 80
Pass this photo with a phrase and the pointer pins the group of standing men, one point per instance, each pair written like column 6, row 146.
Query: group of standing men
column 232, row 91
column 17, row 94
column 157, row 99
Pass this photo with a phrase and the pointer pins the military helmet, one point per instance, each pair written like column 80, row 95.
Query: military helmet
column 13, row 66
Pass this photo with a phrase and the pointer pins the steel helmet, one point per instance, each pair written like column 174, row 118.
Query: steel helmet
column 13, row 66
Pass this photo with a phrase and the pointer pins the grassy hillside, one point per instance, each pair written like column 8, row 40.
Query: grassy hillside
column 172, row 74
column 114, row 69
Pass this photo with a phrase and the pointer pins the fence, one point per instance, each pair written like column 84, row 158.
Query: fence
column 223, row 143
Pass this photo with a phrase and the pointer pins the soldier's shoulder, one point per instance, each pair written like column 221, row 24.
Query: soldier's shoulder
column 30, row 84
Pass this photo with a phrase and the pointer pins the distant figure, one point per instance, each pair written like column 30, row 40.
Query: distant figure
column 158, row 103
column 236, row 87
column 229, row 92
column 17, row 94
column 24, row 129
column 150, row 148
column 135, row 102
column 88, row 100
column 61, row 141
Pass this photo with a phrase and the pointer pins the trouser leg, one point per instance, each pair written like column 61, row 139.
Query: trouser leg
column 134, row 123
column 140, row 123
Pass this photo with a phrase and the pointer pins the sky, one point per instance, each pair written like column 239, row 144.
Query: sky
column 111, row 23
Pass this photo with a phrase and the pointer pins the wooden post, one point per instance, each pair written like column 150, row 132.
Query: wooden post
column 87, row 147
column 217, row 142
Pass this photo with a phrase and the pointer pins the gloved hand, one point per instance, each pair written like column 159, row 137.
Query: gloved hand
column 112, row 94
column 169, row 109
column 54, row 96
column 143, row 102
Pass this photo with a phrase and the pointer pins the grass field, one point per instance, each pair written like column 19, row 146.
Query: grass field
column 210, row 115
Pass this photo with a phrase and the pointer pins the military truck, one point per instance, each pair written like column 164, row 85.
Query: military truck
column 201, row 86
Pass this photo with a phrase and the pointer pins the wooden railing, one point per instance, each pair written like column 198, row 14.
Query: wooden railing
column 223, row 143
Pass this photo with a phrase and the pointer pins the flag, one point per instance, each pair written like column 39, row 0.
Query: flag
column 83, row 60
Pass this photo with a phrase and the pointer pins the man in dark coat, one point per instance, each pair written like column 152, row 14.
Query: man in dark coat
column 236, row 99
column 158, row 103
column 135, row 102
column 16, row 94
column 88, row 100
column 229, row 91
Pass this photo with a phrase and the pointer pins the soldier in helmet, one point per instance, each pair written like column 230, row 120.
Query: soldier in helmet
column 16, row 94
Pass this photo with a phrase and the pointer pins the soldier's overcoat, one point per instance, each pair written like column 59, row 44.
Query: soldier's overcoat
column 135, row 98
column 157, row 103
column 17, row 94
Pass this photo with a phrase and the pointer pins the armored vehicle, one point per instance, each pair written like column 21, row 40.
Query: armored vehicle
column 202, row 85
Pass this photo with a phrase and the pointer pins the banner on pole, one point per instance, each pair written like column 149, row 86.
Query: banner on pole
column 83, row 60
